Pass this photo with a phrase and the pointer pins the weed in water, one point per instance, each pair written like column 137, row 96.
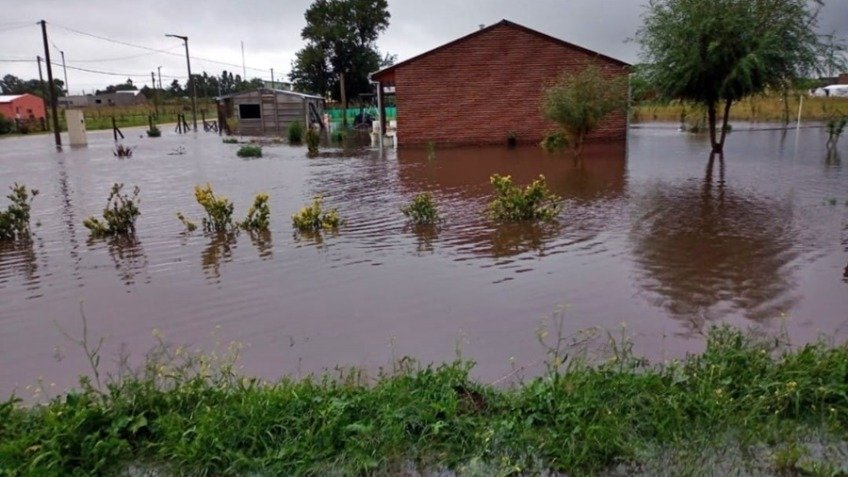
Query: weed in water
column 154, row 132
column 119, row 216
column 422, row 210
column 14, row 222
column 123, row 151
column 230, row 140
column 554, row 142
column 312, row 217
column 219, row 210
column 313, row 140
column 431, row 150
column 189, row 225
column 250, row 150
column 295, row 132
column 513, row 204
column 834, row 129
column 259, row 214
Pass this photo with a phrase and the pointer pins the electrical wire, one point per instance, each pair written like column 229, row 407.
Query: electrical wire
column 5, row 29
column 119, row 58
column 120, row 42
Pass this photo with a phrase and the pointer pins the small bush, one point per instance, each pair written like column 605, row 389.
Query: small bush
column 312, row 217
column 219, row 210
column 422, row 210
column 554, row 142
column 313, row 140
column 119, row 216
column 189, row 225
column 230, row 140
column 514, row 204
column 123, row 151
column 295, row 132
column 154, row 132
column 14, row 222
column 6, row 125
column 250, row 150
column 259, row 214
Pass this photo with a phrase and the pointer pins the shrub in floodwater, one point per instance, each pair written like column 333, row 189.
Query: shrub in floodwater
column 313, row 140
column 259, row 214
column 422, row 210
column 554, row 142
column 295, row 132
column 230, row 140
column 14, row 222
column 219, row 210
column 250, row 150
column 431, row 150
column 834, row 128
column 123, row 151
column 189, row 225
column 512, row 203
column 312, row 217
column 154, row 131
column 119, row 216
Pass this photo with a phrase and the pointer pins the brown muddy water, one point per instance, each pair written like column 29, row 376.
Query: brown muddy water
column 643, row 240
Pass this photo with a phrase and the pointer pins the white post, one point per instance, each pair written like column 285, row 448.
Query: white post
column 800, row 106
column 76, row 127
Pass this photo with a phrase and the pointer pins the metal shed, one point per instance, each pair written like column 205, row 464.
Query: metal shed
column 268, row 112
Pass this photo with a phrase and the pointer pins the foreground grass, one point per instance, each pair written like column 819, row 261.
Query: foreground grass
column 776, row 410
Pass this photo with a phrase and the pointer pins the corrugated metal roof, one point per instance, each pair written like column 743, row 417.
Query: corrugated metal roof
column 8, row 98
column 278, row 91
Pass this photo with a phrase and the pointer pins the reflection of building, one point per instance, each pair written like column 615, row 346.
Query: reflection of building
column 270, row 111
column 466, row 171
column 486, row 86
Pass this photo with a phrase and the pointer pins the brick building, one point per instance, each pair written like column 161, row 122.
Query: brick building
column 481, row 87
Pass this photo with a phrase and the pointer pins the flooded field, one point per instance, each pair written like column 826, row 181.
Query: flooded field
column 643, row 240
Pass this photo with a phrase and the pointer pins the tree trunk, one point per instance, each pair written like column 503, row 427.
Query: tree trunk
column 711, row 117
column 343, row 97
column 724, row 122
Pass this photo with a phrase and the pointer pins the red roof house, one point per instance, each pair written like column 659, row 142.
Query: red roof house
column 26, row 107
column 483, row 87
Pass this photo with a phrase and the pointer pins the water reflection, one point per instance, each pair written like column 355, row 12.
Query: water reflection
column 705, row 251
column 128, row 256
column 218, row 251
column 425, row 235
column 517, row 238
column 261, row 239
column 18, row 259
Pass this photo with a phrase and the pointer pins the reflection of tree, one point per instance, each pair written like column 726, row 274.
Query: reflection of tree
column 18, row 258
column 261, row 239
column 706, row 251
column 424, row 234
column 219, row 249
column 510, row 239
column 127, row 254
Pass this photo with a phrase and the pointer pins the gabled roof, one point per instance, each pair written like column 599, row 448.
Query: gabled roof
column 483, row 31
column 8, row 98
column 269, row 90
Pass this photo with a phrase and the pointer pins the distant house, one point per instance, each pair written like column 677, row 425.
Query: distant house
column 118, row 98
column 74, row 101
column 482, row 87
column 270, row 111
column 843, row 79
column 26, row 107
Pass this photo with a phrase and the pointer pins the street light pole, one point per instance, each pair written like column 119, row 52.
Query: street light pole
column 159, row 69
column 190, row 81
column 67, row 89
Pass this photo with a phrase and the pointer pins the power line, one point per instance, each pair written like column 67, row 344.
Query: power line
column 133, row 45
column 18, row 27
column 118, row 58
column 112, row 73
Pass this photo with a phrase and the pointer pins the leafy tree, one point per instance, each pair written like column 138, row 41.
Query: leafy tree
column 720, row 51
column 175, row 89
column 579, row 102
column 126, row 86
column 340, row 50
column 11, row 84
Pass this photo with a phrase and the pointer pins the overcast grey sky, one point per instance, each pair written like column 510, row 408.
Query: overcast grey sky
column 271, row 29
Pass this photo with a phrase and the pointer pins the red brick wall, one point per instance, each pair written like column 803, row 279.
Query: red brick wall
column 478, row 90
column 28, row 105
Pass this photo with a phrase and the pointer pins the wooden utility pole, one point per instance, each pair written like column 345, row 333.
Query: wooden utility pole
column 44, row 92
column 156, row 93
column 54, row 102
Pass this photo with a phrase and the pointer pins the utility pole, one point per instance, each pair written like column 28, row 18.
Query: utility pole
column 159, row 69
column 272, row 79
column 44, row 92
column 156, row 97
column 190, row 81
column 53, row 100
column 243, row 68
column 67, row 88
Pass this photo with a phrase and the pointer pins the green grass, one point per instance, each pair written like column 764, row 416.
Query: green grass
column 744, row 402
column 249, row 150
